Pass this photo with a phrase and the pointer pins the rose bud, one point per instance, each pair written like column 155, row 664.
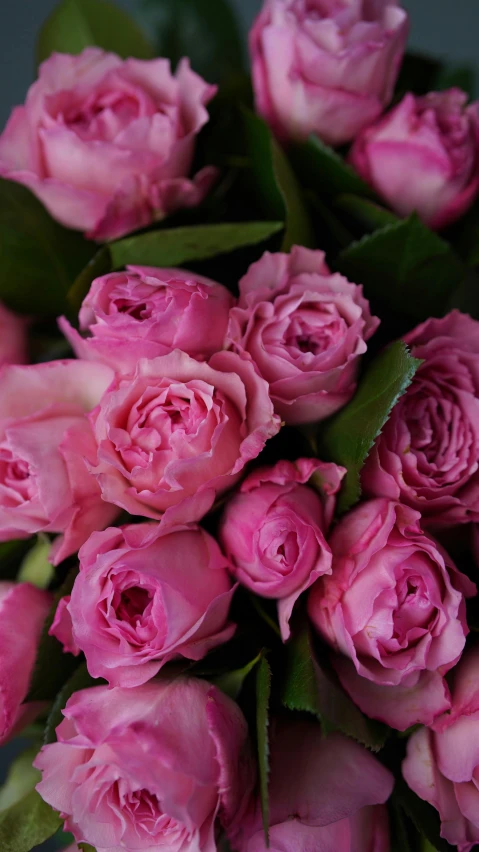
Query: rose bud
column 145, row 596
column 305, row 329
column 148, row 768
column 46, row 442
column 23, row 609
column 179, row 432
column 274, row 530
column 442, row 765
column 423, row 156
column 146, row 312
column 13, row 337
column 326, row 68
column 394, row 607
column 427, row 454
column 324, row 794
column 107, row 145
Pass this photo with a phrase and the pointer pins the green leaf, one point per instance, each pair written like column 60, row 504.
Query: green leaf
column 405, row 269
column 21, row 779
column 263, row 694
column 39, row 258
column 322, row 169
column 76, row 24
column 231, row 683
column 36, row 568
column 182, row 245
column 27, row 823
column 204, row 30
column 80, row 679
column 347, row 438
column 100, row 264
column 276, row 189
column 424, row 817
column 457, row 76
column 369, row 215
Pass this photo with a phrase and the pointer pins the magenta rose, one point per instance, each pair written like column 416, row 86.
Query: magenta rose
column 442, row 765
column 327, row 68
column 394, row 607
column 148, row 768
column 146, row 312
column 107, row 145
column 428, row 453
column 145, row 596
column 13, row 337
column 46, row 442
column 179, row 432
column 274, row 530
column 305, row 329
column 324, row 794
column 423, row 156
column 23, row 609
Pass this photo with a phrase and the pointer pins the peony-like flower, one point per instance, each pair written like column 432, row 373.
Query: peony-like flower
column 145, row 596
column 179, row 432
column 13, row 337
column 394, row 607
column 428, row 453
column 23, row 609
column 305, row 329
column 149, row 768
column 324, row 793
column 423, row 156
column 274, row 530
column 326, row 66
column 45, row 443
column 146, row 312
column 442, row 765
column 107, row 145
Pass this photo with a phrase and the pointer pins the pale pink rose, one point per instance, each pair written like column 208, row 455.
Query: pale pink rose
column 179, row 432
column 145, row 596
column 327, row 68
column 423, row 156
column 45, row 443
column 152, row 767
column 146, row 312
column 107, row 145
column 23, row 609
column 13, row 337
column 274, row 530
column 442, row 765
column 324, row 793
column 305, row 329
column 428, row 453
column 394, row 607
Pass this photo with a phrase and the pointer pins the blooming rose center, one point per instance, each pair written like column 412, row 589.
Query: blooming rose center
column 278, row 547
column 142, row 809
column 447, row 116
column 130, row 604
column 314, row 331
column 19, row 484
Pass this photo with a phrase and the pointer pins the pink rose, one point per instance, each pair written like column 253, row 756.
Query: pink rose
column 179, row 432
column 423, row 156
column 394, row 606
column 274, row 530
column 322, row 794
column 305, row 329
column 428, row 453
column 327, row 68
column 442, row 765
column 146, row 312
column 106, row 144
column 23, row 609
column 45, row 440
column 13, row 337
column 145, row 596
column 150, row 767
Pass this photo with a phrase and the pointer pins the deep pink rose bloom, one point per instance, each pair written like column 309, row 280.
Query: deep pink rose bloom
column 423, row 156
column 323, row 795
column 23, row 609
column 442, row 765
column 428, row 453
column 150, row 767
column 45, row 444
column 394, row 606
column 107, row 145
column 274, row 530
column 13, row 337
column 145, row 596
column 179, row 432
column 325, row 66
column 305, row 330
column 146, row 312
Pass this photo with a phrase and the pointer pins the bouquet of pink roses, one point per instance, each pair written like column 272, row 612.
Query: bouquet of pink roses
column 239, row 435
